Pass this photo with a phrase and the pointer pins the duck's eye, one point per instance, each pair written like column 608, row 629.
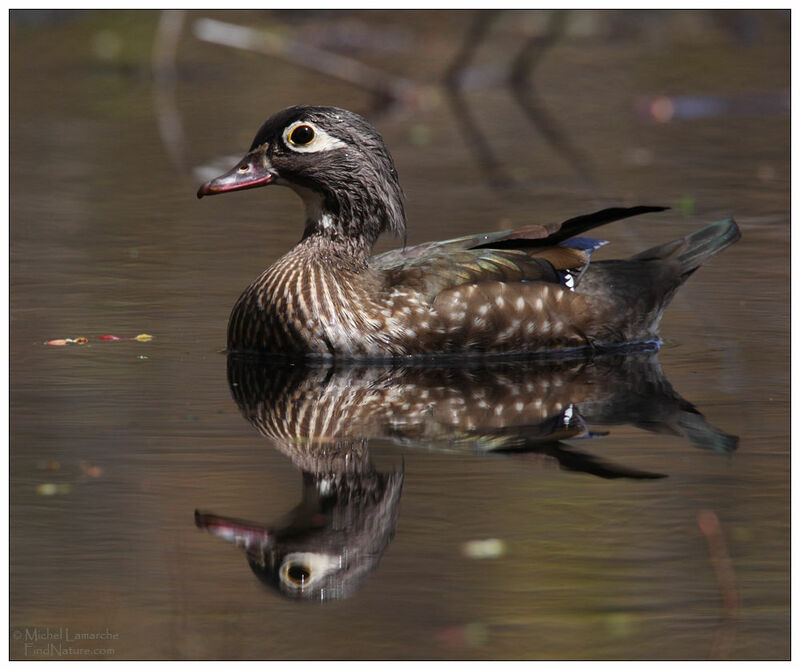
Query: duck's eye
column 301, row 135
column 298, row 574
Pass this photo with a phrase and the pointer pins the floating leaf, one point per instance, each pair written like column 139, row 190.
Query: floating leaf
column 143, row 337
column 420, row 134
column 472, row 634
column 488, row 548
column 686, row 205
column 68, row 340
column 91, row 470
column 50, row 489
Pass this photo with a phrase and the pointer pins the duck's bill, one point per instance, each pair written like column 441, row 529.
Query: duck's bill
column 251, row 172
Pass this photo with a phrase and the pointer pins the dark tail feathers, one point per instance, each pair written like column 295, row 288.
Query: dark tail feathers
column 642, row 286
column 703, row 435
column 695, row 249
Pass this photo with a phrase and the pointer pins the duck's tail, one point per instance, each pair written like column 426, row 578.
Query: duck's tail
column 641, row 286
column 692, row 251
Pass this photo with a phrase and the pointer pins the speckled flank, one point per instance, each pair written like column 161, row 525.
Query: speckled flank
column 515, row 317
column 302, row 304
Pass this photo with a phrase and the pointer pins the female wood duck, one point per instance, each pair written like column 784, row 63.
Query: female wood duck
column 526, row 290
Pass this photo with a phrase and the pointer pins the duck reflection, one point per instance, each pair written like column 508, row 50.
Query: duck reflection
column 329, row 543
column 323, row 416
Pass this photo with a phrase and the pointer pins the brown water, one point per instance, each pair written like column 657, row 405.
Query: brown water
column 114, row 445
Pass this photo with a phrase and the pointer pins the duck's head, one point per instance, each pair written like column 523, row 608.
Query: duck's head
column 335, row 161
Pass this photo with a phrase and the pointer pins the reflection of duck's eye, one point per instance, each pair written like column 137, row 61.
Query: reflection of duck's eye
column 302, row 572
column 298, row 574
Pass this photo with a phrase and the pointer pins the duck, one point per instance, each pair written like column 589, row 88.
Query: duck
column 525, row 291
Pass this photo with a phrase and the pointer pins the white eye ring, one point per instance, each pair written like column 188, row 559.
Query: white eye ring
column 321, row 141
column 314, row 566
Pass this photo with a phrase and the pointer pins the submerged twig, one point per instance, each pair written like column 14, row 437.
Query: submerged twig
column 452, row 82
column 165, row 47
column 520, row 82
column 723, row 569
column 390, row 91
column 308, row 56
column 530, row 101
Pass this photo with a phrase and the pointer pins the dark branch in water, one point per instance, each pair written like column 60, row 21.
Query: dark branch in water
column 391, row 93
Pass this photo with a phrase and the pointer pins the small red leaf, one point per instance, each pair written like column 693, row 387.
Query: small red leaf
column 108, row 338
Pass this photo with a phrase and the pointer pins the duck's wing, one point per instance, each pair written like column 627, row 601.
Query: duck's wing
column 533, row 253
column 438, row 272
column 552, row 234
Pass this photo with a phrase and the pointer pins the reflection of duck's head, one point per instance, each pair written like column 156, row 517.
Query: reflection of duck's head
column 328, row 544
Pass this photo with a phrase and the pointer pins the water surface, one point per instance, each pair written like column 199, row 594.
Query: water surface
column 114, row 445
